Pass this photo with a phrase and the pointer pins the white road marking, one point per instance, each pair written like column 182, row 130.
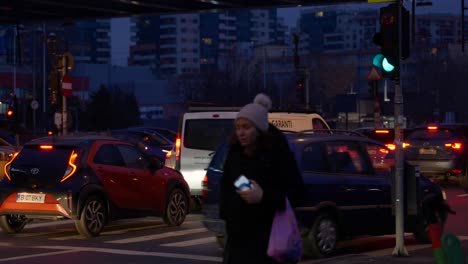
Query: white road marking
column 70, row 250
column 5, row 244
column 50, row 223
column 114, row 232
column 136, row 253
column 463, row 195
column 192, row 242
column 158, row 236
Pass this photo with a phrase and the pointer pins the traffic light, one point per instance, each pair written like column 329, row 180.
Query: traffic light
column 388, row 39
column 300, row 89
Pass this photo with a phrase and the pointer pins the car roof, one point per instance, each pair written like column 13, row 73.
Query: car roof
column 73, row 140
column 443, row 125
column 302, row 138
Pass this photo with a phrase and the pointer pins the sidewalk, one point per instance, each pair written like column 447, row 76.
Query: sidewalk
column 417, row 254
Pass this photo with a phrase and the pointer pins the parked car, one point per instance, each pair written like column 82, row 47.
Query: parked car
column 90, row 179
column 349, row 191
column 440, row 151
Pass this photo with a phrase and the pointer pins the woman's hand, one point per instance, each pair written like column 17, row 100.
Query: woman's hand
column 254, row 195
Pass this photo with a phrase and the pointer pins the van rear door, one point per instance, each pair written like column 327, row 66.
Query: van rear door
column 201, row 134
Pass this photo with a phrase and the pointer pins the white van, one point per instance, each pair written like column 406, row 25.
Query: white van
column 198, row 136
column 201, row 132
column 297, row 121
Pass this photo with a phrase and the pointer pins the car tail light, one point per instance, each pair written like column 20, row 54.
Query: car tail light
column 382, row 131
column 390, row 146
column 432, row 128
column 7, row 167
column 382, row 150
column 46, row 147
column 168, row 154
column 205, row 188
column 456, row 171
column 177, row 147
column 455, row 145
column 71, row 168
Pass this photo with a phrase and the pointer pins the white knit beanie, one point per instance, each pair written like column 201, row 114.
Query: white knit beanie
column 257, row 112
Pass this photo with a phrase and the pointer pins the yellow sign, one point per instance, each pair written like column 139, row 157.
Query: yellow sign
column 381, row 1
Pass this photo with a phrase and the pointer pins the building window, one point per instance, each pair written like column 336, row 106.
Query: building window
column 207, row 41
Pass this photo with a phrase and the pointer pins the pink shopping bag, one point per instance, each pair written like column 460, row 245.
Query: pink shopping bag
column 285, row 244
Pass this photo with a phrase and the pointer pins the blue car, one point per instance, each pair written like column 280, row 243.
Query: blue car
column 145, row 141
column 349, row 191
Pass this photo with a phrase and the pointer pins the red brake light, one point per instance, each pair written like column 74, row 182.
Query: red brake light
column 71, row 166
column 6, row 167
column 455, row 145
column 177, row 146
column 47, row 147
column 432, row 128
column 382, row 131
column 205, row 188
column 390, row 146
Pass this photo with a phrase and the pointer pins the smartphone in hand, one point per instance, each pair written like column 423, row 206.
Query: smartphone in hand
column 242, row 183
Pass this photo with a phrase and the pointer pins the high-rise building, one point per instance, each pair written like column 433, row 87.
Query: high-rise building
column 89, row 41
column 188, row 43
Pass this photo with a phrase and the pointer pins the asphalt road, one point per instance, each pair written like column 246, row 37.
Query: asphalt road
column 149, row 240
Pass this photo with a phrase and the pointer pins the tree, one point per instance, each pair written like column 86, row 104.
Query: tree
column 111, row 109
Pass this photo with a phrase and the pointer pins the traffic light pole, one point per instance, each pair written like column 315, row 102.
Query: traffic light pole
column 399, row 249
column 64, row 98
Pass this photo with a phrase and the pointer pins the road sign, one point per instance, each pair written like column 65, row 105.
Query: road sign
column 34, row 104
column 374, row 74
column 66, row 85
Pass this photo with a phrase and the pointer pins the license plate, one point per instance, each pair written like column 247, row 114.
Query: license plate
column 427, row 151
column 30, row 198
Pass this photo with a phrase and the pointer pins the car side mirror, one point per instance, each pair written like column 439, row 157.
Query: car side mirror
column 155, row 163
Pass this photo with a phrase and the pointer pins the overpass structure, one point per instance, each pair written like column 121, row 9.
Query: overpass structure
column 16, row 11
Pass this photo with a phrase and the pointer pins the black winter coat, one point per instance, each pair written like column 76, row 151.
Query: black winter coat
column 248, row 225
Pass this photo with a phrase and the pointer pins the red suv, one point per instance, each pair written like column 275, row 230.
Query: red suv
column 91, row 179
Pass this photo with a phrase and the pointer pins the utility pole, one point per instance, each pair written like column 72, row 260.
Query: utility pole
column 399, row 249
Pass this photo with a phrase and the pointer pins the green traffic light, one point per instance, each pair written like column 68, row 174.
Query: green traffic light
column 381, row 62
column 377, row 60
column 387, row 66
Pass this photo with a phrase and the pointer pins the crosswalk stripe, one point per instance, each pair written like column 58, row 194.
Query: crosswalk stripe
column 136, row 253
column 50, row 223
column 192, row 242
column 114, row 232
column 158, row 236
column 70, row 250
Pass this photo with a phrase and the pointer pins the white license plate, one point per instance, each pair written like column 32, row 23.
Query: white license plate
column 427, row 151
column 30, row 198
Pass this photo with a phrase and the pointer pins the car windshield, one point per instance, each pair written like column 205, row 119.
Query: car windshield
column 426, row 134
